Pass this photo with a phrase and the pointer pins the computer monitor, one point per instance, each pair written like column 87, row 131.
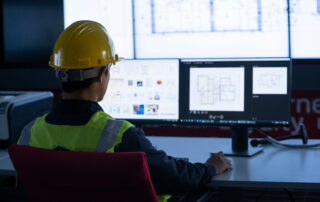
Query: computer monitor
column 144, row 91
column 239, row 93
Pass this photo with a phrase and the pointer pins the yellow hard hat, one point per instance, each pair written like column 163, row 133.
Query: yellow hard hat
column 84, row 44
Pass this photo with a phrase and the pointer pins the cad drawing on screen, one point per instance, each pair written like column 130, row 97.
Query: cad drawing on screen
column 217, row 89
column 210, row 28
column 270, row 80
column 205, row 16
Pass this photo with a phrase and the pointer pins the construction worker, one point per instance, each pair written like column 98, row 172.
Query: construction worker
column 82, row 58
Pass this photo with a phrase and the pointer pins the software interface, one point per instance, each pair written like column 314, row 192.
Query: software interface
column 143, row 89
column 235, row 91
column 305, row 28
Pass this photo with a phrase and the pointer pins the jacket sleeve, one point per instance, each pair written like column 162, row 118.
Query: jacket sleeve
column 168, row 175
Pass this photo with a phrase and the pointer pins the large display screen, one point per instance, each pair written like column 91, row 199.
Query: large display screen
column 211, row 28
column 143, row 89
column 189, row 28
column 305, row 28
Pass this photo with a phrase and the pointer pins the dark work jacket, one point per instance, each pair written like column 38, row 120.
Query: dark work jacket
column 168, row 175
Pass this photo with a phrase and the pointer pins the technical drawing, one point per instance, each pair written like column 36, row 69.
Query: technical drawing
column 214, row 90
column 228, row 93
column 189, row 16
column 305, row 7
column 206, row 90
column 270, row 80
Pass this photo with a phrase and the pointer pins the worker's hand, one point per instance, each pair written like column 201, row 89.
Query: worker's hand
column 219, row 162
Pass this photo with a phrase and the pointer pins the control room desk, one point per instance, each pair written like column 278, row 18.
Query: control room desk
column 275, row 167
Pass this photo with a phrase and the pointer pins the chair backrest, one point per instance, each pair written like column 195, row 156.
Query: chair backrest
column 48, row 175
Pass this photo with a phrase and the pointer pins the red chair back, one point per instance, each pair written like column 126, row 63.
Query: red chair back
column 48, row 175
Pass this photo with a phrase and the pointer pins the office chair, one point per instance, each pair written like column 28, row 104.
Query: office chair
column 48, row 175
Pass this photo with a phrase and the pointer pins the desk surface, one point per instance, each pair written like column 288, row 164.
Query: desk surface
column 6, row 167
column 275, row 167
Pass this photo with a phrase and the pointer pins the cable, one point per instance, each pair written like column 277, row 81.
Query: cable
column 274, row 141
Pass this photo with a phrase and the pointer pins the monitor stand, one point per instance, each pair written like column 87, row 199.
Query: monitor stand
column 240, row 143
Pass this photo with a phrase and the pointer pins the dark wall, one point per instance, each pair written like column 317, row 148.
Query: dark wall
column 1, row 36
column 30, row 29
column 306, row 74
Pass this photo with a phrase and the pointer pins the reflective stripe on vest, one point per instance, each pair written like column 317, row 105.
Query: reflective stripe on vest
column 106, row 141
column 109, row 134
column 26, row 134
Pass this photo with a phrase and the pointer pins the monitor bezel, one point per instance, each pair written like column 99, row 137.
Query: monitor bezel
column 262, row 123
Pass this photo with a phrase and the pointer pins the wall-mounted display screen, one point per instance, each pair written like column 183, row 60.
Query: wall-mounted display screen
column 305, row 28
column 189, row 28
column 211, row 28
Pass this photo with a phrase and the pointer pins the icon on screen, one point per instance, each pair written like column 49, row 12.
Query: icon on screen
column 139, row 83
column 113, row 109
column 130, row 82
column 156, row 97
column 152, row 109
column 138, row 109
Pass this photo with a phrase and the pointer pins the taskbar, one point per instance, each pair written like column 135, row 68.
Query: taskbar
column 234, row 122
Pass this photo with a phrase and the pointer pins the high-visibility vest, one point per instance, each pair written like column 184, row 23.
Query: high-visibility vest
column 100, row 134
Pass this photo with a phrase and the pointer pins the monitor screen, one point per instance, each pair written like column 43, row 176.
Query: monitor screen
column 211, row 28
column 305, row 28
column 235, row 92
column 144, row 90
column 116, row 16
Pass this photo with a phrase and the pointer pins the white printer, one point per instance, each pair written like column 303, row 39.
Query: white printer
column 17, row 109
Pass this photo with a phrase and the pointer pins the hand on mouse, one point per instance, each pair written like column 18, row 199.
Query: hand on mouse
column 219, row 162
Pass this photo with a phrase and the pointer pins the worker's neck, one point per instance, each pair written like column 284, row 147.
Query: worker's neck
column 81, row 95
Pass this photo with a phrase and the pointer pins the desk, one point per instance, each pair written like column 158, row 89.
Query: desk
column 6, row 167
column 275, row 167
